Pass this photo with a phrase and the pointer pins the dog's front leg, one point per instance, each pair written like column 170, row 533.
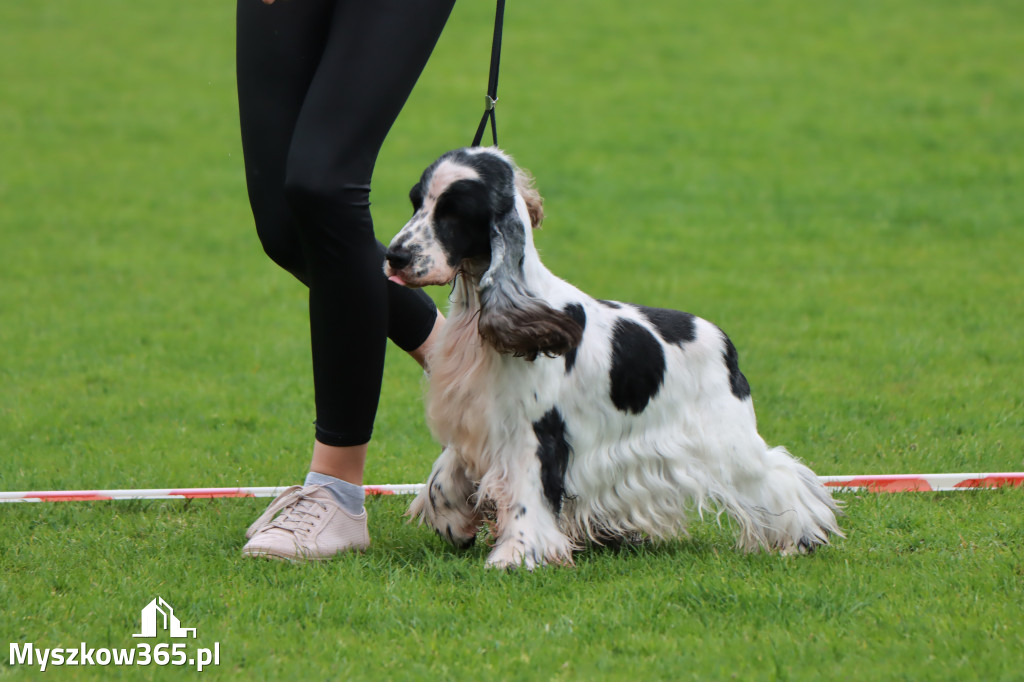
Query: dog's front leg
column 526, row 526
column 445, row 503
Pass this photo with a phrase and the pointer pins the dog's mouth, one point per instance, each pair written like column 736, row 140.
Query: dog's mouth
column 403, row 278
column 417, row 278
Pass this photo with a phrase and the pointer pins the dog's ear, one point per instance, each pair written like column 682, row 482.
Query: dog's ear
column 529, row 193
column 512, row 320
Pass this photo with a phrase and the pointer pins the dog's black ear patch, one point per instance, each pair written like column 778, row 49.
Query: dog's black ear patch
column 737, row 382
column 638, row 366
column 462, row 219
column 674, row 326
column 575, row 311
column 553, row 452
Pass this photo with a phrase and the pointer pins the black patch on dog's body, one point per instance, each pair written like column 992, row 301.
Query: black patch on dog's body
column 674, row 326
column 737, row 382
column 638, row 366
column 609, row 304
column 575, row 311
column 553, row 452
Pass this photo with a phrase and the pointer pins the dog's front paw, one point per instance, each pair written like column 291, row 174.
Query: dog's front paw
column 460, row 538
column 510, row 554
column 454, row 526
column 445, row 502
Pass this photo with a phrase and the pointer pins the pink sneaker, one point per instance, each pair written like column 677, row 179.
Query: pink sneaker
column 306, row 523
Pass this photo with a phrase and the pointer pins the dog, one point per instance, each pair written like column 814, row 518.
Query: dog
column 566, row 419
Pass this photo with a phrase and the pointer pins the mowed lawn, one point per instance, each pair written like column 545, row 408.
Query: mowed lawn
column 840, row 186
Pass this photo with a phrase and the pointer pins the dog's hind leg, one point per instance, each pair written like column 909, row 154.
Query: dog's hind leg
column 446, row 503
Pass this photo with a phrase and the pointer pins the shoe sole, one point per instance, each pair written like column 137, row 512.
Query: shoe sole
column 298, row 559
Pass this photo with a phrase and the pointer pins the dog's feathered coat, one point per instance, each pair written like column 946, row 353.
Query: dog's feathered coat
column 573, row 418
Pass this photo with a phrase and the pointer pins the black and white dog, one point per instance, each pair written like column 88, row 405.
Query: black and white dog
column 573, row 419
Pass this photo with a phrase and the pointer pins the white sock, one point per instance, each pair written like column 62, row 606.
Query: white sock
column 348, row 495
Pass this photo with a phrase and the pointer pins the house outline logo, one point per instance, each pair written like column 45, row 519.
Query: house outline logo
column 170, row 622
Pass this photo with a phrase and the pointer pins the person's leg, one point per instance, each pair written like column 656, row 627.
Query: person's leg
column 279, row 48
column 373, row 57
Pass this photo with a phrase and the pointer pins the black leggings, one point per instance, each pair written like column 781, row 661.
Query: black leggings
column 320, row 82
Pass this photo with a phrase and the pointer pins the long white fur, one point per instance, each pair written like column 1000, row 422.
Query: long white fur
column 694, row 447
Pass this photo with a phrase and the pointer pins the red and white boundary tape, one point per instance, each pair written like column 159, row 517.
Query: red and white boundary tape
column 178, row 493
column 891, row 483
column 899, row 483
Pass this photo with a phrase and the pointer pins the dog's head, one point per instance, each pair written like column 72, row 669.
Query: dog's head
column 473, row 214
column 463, row 202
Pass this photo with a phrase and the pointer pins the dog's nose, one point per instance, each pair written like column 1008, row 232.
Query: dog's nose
column 398, row 258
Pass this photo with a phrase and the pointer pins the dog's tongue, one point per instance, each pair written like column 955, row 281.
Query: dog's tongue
column 397, row 280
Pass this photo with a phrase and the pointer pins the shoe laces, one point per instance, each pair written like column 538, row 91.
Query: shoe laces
column 299, row 516
column 295, row 511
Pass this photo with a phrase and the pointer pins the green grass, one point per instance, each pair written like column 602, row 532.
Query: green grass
column 835, row 184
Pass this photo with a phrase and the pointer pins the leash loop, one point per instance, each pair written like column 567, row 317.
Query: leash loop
column 492, row 81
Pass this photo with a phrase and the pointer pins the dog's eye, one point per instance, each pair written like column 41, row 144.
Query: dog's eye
column 416, row 197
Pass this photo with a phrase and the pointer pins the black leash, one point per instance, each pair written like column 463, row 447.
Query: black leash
column 492, row 81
